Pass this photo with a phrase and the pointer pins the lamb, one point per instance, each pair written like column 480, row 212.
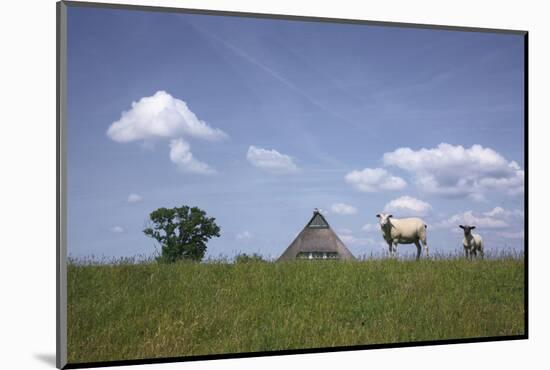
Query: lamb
column 472, row 243
column 403, row 231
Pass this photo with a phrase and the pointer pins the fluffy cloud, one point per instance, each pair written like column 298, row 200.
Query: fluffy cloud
column 374, row 179
column 346, row 235
column 180, row 154
column 351, row 240
column 477, row 197
column 134, row 198
column 408, row 206
column 504, row 213
column 271, row 160
column 370, row 227
column 245, row 235
column 345, row 231
column 323, row 211
column 496, row 226
column 116, row 229
column 456, row 171
column 343, row 209
column 161, row 116
column 513, row 235
column 497, row 218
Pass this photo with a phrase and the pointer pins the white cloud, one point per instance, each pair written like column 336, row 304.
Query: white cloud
column 513, row 235
column 245, row 235
column 343, row 209
column 271, row 160
column 134, row 198
column 180, row 154
column 161, row 116
column 456, row 171
column 370, row 227
column 477, row 197
column 345, row 231
column 408, row 206
column 374, row 179
column 117, row 229
column 346, row 235
column 473, row 218
column 496, row 218
column 504, row 213
column 323, row 211
column 351, row 240
column 497, row 211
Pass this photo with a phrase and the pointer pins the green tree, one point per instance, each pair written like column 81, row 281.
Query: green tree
column 182, row 232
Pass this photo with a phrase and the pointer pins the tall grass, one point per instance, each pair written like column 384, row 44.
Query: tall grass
column 145, row 310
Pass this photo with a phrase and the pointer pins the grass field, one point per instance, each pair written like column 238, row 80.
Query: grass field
column 134, row 311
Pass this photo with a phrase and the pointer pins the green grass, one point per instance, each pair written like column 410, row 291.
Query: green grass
column 134, row 311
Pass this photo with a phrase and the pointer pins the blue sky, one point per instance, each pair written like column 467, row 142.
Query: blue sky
column 260, row 121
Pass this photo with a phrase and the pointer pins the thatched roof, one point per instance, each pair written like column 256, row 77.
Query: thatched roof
column 317, row 237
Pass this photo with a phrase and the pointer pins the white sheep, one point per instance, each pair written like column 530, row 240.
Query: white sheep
column 403, row 231
column 472, row 243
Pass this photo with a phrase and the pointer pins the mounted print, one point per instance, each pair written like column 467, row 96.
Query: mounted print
column 235, row 184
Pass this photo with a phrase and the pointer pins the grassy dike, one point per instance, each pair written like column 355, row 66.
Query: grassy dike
column 134, row 311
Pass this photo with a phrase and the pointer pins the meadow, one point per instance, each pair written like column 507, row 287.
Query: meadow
column 143, row 310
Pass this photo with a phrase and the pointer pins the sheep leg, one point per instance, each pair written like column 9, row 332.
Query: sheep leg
column 424, row 241
column 426, row 249
column 466, row 252
column 418, row 249
column 394, row 248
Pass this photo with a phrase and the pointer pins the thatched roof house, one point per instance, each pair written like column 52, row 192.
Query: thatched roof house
column 317, row 241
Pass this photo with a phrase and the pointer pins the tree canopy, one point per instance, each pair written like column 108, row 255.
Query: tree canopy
column 182, row 232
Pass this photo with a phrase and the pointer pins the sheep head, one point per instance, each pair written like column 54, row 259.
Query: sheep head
column 467, row 229
column 384, row 219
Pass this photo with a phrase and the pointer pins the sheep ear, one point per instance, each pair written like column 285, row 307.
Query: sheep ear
column 378, row 215
column 461, row 226
column 473, row 227
column 390, row 216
